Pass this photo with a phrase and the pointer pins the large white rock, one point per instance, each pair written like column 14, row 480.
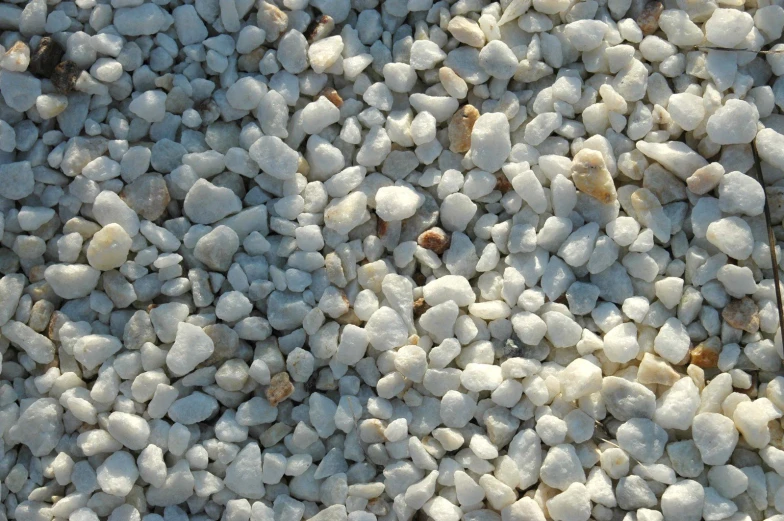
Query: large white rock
column 490, row 143
column 191, row 347
column 683, row 501
column 741, row 193
column 734, row 123
column 395, row 203
column 449, row 288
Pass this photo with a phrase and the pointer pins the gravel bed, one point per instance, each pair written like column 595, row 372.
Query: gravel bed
column 401, row 260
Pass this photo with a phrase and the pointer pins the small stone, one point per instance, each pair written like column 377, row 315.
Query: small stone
column 206, row 203
column 573, row 504
column 191, row 347
column 683, row 501
column 141, row 20
column 498, row 60
column 626, row 400
column 620, row 343
column 346, row 213
column 675, row 156
column 217, row 248
column 64, row 76
column 741, row 194
column 244, row 474
column 490, row 142
column 280, row 388
column 742, row 314
column 150, row 106
column 686, row 110
column 51, row 105
column 72, row 281
column 19, row 89
column 731, row 235
column 585, row 35
column 39, row 427
column 275, row 157
column 395, row 203
column 148, row 196
column 728, row 27
column 108, row 248
column 715, row 436
column 466, row 31
column 46, row 57
column 130, row 430
column 642, row 439
column 434, row 239
column 38, row 347
column 190, row 28
column 18, row 180
column 706, row 354
column 324, row 53
column 648, row 20
column 449, row 288
column 735, row 122
column 460, row 127
column 705, row 179
column 17, row 58
column 590, row 175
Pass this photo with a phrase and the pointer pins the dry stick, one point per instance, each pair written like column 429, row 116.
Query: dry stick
column 706, row 48
column 771, row 236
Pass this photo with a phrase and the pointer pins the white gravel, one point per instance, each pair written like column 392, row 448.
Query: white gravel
column 338, row 260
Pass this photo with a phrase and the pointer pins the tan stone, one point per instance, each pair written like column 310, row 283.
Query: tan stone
column 279, row 389
column 705, row 179
column 655, row 370
column 590, row 176
column 460, row 128
column 742, row 314
column 706, row 354
column 649, row 17
column 466, row 31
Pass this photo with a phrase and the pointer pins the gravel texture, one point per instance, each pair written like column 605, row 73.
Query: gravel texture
column 401, row 260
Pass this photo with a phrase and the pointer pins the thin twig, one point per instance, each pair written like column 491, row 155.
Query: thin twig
column 707, row 48
column 771, row 235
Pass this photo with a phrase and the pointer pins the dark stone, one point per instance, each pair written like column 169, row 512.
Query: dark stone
column 46, row 57
column 65, row 75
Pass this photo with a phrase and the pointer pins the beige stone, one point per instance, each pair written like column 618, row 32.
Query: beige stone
column 590, row 176
column 109, row 247
column 460, row 128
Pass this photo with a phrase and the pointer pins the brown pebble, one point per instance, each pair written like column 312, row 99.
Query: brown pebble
column 742, row 314
column 46, row 57
column 649, row 18
column 434, row 239
column 706, row 354
column 332, row 95
column 279, row 389
column 502, row 183
column 349, row 317
column 460, row 127
column 381, row 228
column 320, row 28
column 420, row 306
column 64, row 76
column 419, row 279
